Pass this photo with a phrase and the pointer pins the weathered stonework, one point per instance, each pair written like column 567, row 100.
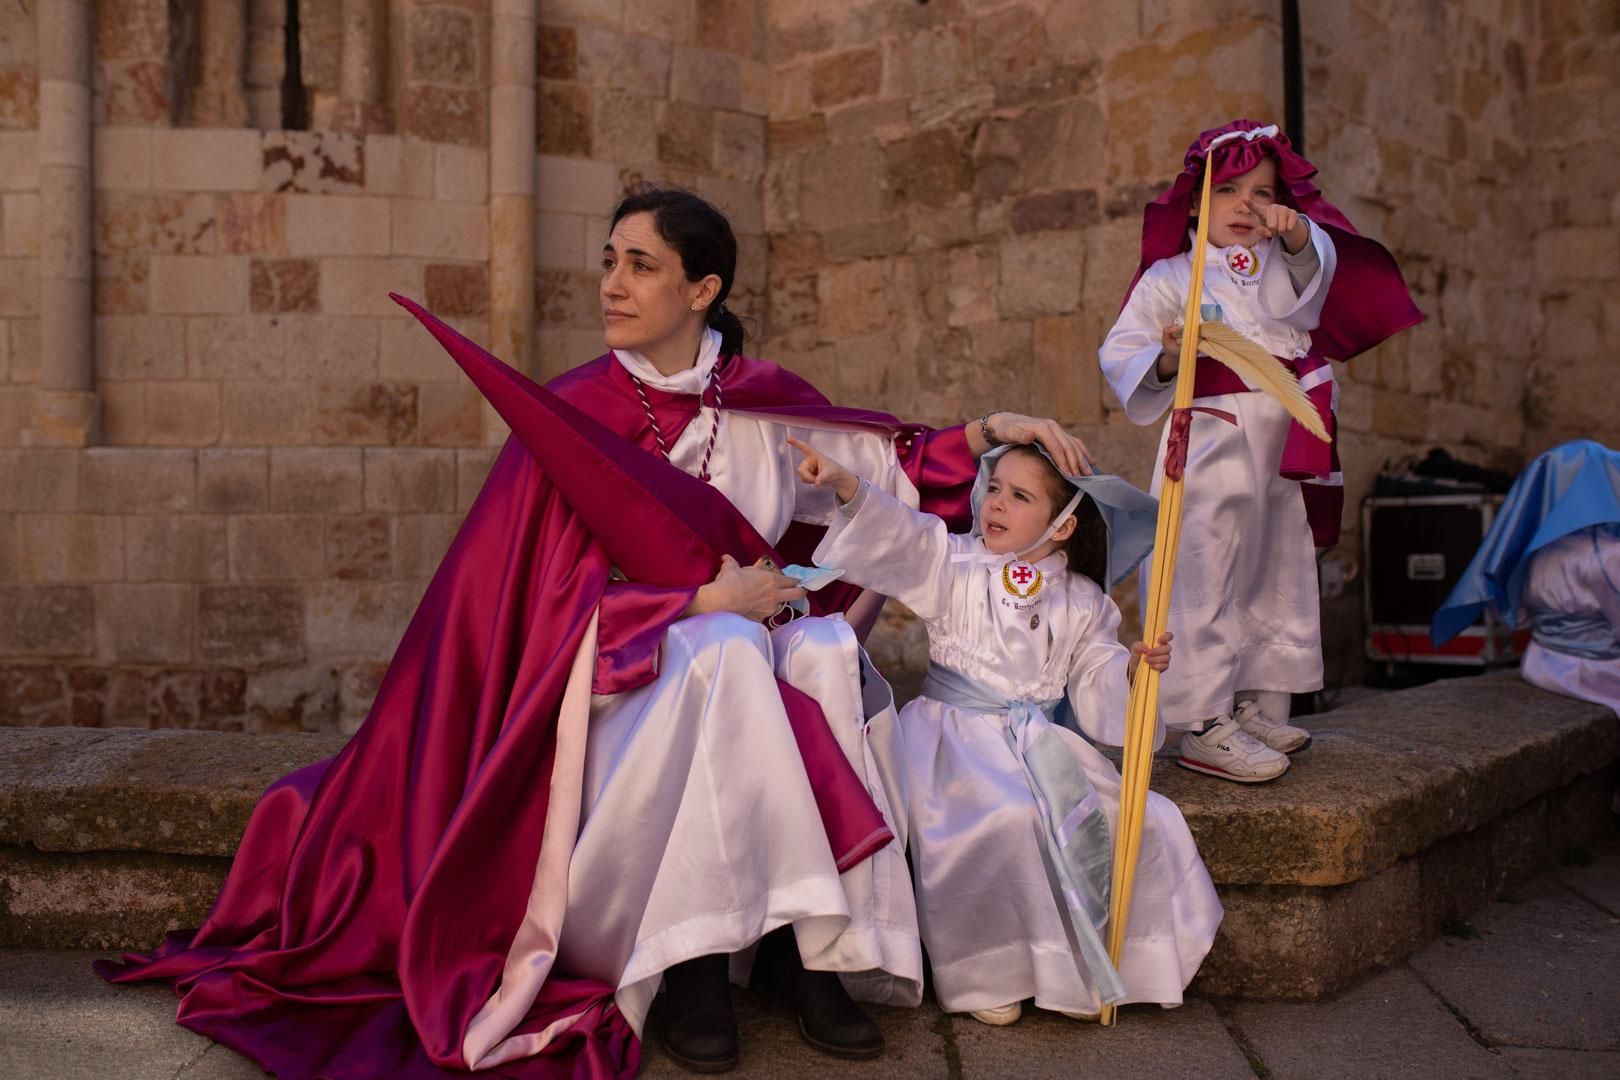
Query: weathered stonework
column 938, row 209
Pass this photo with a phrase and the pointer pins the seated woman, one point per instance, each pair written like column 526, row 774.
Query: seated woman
column 575, row 785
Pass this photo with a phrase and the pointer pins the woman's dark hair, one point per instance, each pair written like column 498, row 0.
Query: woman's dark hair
column 702, row 237
column 1087, row 547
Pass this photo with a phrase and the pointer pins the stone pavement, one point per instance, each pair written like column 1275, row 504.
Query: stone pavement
column 1525, row 990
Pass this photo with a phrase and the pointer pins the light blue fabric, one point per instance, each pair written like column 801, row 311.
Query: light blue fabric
column 1078, row 844
column 1130, row 514
column 1570, row 487
column 810, row 578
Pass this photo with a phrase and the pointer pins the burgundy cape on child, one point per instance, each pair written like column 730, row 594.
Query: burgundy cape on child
column 374, row 897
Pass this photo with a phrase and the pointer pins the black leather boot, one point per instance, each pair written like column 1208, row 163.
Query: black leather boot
column 700, row 1030
column 829, row 1021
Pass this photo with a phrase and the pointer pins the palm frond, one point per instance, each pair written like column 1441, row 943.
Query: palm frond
column 1261, row 370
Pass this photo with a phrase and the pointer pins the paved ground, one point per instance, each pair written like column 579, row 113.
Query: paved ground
column 1526, row 990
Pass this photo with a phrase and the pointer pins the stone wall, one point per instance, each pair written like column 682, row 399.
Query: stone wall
column 938, row 206
column 954, row 197
column 954, row 191
column 19, row 210
column 1569, row 180
column 673, row 90
column 283, row 455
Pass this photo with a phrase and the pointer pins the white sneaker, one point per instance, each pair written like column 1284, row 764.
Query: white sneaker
column 1000, row 1016
column 1229, row 752
column 1282, row 737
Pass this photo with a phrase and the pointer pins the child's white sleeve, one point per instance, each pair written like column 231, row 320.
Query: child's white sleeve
column 1302, row 311
column 864, row 453
column 1099, row 678
column 1132, row 347
column 882, row 544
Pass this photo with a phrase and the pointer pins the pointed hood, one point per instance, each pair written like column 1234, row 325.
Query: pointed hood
column 656, row 523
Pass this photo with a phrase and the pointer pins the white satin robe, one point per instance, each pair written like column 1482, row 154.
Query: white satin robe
column 1244, row 610
column 699, row 830
column 992, row 924
column 1578, row 575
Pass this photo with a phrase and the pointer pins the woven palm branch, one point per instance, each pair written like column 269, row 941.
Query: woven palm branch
column 1261, row 370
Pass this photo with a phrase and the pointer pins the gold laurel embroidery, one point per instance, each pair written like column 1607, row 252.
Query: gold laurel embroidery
column 1007, row 583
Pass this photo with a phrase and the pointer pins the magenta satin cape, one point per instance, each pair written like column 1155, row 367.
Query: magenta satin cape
column 374, row 896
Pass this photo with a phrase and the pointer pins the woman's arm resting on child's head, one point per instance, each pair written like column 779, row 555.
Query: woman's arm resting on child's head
column 994, row 429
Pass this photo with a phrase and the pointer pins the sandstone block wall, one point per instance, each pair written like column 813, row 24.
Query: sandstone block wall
column 1432, row 183
column 938, row 206
column 284, row 455
column 1574, row 125
column 954, row 196
column 674, row 90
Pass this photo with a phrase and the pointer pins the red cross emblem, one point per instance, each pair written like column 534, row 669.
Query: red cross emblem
column 1241, row 262
column 1020, row 579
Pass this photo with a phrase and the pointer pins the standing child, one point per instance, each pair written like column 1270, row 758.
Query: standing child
column 1288, row 271
column 1010, row 815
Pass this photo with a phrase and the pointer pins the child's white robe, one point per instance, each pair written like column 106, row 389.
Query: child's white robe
column 992, row 924
column 1244, row 611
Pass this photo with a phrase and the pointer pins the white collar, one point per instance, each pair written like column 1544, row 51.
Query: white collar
column 690, row 380
column 1218, row 254
column 995, row 560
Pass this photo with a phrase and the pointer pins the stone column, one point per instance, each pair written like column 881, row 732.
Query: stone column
column 362, row 79
column 511, row 182
column 220, row 97
column 64, row 409
column 266, row 62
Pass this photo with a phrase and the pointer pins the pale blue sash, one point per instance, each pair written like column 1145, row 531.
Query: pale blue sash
column 1078, row 848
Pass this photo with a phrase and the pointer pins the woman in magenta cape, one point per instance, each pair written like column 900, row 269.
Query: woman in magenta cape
column 591, row 766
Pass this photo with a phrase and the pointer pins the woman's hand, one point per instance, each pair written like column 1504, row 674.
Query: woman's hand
column 818, row 470
column 1157, row 657
column 750, row 591
column 1067, row 450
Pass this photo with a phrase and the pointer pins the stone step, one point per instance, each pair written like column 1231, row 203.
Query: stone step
column 1406, row 811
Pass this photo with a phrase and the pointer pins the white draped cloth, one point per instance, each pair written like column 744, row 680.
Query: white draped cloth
column 699, row 832
column 1577, row 577
column 993, row 926
column 1244, row 610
